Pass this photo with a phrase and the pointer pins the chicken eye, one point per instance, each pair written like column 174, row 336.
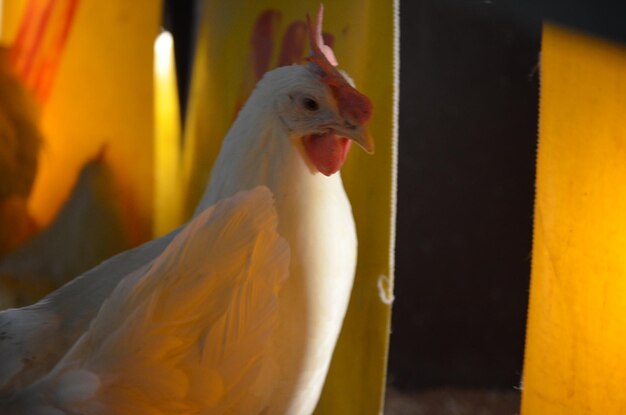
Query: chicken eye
column 310, row 104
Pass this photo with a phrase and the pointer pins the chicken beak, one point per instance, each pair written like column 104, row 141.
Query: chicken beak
column 358, row 134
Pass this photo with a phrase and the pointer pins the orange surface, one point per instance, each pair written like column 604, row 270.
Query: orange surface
column 102, row 96
column 575, row 360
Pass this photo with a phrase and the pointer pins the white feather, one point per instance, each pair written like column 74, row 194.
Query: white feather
column 315, row 217
column 34, row 338
column 188, row 335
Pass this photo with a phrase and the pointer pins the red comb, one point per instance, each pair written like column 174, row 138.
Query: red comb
column 351, row 102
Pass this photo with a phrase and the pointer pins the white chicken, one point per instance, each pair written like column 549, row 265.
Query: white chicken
column 236, row 312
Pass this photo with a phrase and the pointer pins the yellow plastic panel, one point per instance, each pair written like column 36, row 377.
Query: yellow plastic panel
column 575, row 360
column 12, row 11
column 167, row 136
column 102, row 96
column 228, row 64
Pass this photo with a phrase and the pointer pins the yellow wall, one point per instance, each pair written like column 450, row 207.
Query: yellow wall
column 102, row 95
column 575, row 360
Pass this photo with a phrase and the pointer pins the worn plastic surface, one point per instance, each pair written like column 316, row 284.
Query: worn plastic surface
column 575, row 361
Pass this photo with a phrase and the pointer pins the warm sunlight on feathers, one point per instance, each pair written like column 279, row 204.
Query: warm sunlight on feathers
column 195, row 294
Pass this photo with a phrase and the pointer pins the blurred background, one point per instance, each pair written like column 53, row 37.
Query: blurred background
column 468, row 134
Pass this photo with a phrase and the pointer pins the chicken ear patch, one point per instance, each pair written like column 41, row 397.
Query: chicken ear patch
column 327, row 151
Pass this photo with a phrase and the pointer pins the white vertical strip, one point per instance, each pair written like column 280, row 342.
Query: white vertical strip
column 388, row 299
column 395, row 140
